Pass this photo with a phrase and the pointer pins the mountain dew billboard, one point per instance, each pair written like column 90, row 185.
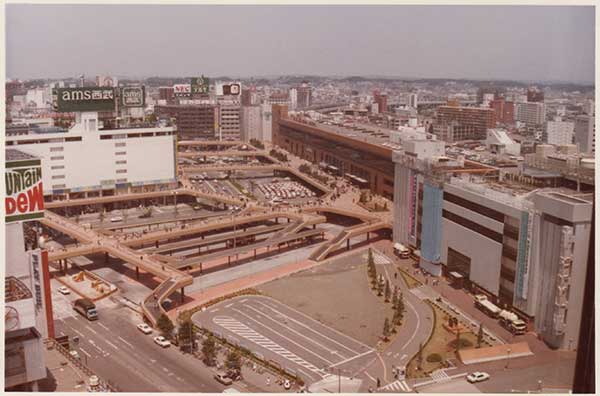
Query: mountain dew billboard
column 24, row 199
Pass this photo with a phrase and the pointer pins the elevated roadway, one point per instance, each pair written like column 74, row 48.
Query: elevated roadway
column 226, row 153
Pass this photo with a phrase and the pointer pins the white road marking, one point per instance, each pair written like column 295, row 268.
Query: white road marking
column 111, row 344
column 85, row 352
column 228, row 305
column 104, row 327
column 268, row 344
column 352, row 358
column 90, row 329
column 122, row 339
column 284, row 337
column 311, row 329
column 300, row 334
column 372, row 379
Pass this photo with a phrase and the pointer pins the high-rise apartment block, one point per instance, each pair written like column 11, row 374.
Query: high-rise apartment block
column 193, row 121
column 475, row 120
column 251, row 123
column 304, row 95
column 531, row 113
column 559, row 132
column 505, row 110
column 585, row 133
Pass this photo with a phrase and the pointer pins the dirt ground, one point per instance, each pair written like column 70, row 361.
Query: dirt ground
column 338, row 295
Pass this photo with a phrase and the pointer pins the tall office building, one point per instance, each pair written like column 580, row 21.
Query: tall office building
column 413, row 100
column 585, row 133
column 531, row 113
column 535, row 95
column 266, row 117
column 559, row 132
column 251, row 123
column 304, row 95
column 193, row 121
column 381, row 101
column 505, row 110
column 293, row 95
column 229, row 121
column 476, row 120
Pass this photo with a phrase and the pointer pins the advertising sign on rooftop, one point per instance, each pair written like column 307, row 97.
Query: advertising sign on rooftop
column 83, row 99
column 200, row 85
column 180, row 90
column 133, row 97
column 24, row 199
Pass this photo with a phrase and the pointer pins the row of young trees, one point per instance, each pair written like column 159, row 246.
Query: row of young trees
column 383, row 289
column 186, row 335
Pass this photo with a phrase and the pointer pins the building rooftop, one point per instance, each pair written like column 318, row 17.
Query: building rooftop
column 17, row 155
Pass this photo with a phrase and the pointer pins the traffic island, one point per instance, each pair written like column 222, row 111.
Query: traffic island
column 88, row 285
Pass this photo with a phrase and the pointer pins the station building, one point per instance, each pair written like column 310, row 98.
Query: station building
column 524, row 246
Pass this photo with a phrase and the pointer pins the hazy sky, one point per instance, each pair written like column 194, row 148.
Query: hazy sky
column 499, row 42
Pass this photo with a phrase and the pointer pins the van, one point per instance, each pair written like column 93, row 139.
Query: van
column 401, row 251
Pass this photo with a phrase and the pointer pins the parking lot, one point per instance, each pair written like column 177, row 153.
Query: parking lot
column 290, row 339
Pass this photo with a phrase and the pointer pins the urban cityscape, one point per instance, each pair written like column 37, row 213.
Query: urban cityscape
column 290, row 199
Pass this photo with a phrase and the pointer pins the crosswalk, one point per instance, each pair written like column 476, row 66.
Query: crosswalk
column 240, row 329
column 378, row 258
column 420, row 293
column 440, row 376
column 396, row 386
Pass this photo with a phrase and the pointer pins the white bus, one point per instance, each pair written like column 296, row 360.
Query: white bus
column 401, row 250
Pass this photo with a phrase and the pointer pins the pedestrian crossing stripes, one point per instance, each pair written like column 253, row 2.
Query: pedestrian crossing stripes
column 396, row 386
column 240, row 329
column 440, row 376
column 378, row 258
column 420, row 293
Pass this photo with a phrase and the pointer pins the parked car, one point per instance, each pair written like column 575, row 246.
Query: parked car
column 162, row 341
column 75, row 354
column 477, row 376
column 286, row 384
column 116, row 219
column 144, row 328
column 64, row 290
column 222, row 377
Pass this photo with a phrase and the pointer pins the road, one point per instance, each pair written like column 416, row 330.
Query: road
column 279, row 333
column 115, row 350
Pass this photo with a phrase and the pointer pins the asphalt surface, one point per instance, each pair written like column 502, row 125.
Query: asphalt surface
column 118, row 352
column 281, row 334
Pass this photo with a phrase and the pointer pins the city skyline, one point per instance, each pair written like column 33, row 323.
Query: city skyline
column 559, row 44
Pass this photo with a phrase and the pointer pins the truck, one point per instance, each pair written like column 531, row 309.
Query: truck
column 401, row 251
column 511, row 322
column 486, row 306
column 86, row 307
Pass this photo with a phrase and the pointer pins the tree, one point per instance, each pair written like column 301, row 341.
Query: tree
column 165, row 325
column 400, row 305
column 102, row 216
column 234, row 362
column 185, row 335
column 420, row 356
column 209, row 351
column 386, row 329
column 125, row 214
column 457, row 340
column 480, row 335
column 395, row 298
column 388, row 291
column 380, row 287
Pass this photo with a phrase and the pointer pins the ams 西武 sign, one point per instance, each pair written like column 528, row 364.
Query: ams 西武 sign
column 84, row 99
column 24, row 199
column 133, row 96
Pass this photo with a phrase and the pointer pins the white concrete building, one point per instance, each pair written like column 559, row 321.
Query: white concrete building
column 251, row 123
column 559, row 132
column 229, row 120
column 266, row 111
column 585, row 133
column 531, row 113
column 497, row 141
column 293, row 94
column 413, row 101
column 91, row 161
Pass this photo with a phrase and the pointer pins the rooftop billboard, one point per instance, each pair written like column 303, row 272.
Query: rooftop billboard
column 83, row 99
column 200, row 85
column 133, row 97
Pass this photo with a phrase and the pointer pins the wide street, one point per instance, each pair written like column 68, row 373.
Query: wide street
column 118, row 352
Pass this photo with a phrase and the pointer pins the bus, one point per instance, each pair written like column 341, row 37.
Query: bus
column 401, row 251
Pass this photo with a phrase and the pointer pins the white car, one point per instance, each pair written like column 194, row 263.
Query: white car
column 116, row 219
column 162, row 341
column 477, row 376
column 75, row 354
column 287, row 385
column 144, row 328
column 64, row 290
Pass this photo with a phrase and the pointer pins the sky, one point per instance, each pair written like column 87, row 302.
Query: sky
column 527, row 43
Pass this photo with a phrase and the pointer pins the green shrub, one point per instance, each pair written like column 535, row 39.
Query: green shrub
column 434, row 358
